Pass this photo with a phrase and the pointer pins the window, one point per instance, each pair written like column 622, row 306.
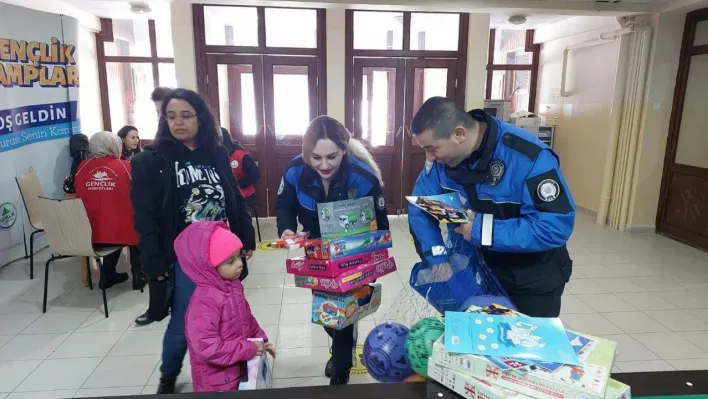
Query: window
column 134, row 56
column 512, row 68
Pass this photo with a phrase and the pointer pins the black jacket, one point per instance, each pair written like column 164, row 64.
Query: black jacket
column 156, row 208
column 301, row 190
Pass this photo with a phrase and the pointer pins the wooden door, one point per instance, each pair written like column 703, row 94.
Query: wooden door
column 425, row 78
column 683, row 205
column 378, row 118
column 290, row 103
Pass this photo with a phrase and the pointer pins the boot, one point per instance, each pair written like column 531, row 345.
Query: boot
column 139, row 281
column 144, row 319
column 167, row 384
column 112, row 279
column 339, row 379
column 329, row 368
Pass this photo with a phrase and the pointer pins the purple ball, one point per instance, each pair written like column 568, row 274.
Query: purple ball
column 384, row 353
column 485, row 300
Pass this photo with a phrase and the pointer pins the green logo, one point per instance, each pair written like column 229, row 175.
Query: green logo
column 8, row 215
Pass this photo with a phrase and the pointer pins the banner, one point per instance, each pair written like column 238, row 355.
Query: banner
column 39, row 81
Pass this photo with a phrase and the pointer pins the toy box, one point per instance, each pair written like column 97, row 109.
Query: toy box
column 350, row 279
column 258, row 373
column 341, row 310
column 331, row 268
column 348, row 217
column 478, row 388
column 348, row 246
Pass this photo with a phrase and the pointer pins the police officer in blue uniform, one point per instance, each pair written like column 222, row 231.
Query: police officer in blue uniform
column 522, row 212
column 332, row 167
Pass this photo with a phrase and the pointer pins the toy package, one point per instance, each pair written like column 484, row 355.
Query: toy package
column 446, row 208
column 348, row 246
column 332, row 268
column 479, row 388
column 298, row 241
column 258, row 374
column 341, row 310
column 350, row 279
column 348, row 217
column 539, row 379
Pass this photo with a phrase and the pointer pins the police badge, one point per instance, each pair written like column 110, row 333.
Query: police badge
column 352, row 193
column 496, row 172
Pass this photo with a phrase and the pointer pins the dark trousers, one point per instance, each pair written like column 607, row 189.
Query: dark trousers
column 111, row 261
column 539, row 305
column 343, row 346
column 174, row 343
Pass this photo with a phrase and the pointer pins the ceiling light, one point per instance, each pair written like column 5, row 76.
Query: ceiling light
column 517, row 19
column 140, row 8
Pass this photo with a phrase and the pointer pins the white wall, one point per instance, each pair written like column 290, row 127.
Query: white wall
column 477, row 52
column 581, row 139
column 183, row 41
column 89, row 91
column 86, row 20
column 336, row 62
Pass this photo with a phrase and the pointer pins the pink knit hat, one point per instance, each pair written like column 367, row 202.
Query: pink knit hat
column 222, row 245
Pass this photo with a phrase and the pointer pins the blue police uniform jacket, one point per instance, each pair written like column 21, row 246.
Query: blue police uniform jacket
column 524, row 212
column 301, row 190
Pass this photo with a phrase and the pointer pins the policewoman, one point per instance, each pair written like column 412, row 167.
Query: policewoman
column 522, row 212
column 333, row 166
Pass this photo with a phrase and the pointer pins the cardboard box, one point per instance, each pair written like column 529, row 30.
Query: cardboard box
column 533, row 379
column 341, row 310
column 259, row 373
column 478, row 388
column 348, row 217
column 350, row 279
column 348, row 246
column 331, row 268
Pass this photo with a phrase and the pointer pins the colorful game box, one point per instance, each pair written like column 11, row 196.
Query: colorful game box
column 447, row 208
column 341, row 310
column 259, row 374
column 540, row 379
column 331, row 268
column 350, row 279
column 478, row 388
column 348, row 217
column 348, row 246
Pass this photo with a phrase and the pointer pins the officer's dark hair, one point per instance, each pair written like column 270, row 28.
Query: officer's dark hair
column 160, row 93
column 442, row 116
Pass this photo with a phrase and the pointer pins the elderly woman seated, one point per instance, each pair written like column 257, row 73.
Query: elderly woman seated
column 103, row 184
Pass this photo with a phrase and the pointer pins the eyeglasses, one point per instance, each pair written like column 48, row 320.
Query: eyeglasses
column 184, row 117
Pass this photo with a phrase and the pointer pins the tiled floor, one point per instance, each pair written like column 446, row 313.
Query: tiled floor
column 646, row 292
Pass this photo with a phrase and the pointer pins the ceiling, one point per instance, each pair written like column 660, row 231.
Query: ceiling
column 538, row 12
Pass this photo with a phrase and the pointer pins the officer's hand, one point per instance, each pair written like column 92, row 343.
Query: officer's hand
column 465, row 229
column 287, row 234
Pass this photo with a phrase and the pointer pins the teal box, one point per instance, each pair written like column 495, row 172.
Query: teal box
column 341, row 310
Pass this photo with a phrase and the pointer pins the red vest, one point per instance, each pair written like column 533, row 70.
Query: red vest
column 103, row 184
column 237, row 166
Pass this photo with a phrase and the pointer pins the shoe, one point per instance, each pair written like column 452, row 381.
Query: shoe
column 113, row 279
column 167, row 384
column 143, row 319
column 140, row 282
column 339, row 379
column 329, row 368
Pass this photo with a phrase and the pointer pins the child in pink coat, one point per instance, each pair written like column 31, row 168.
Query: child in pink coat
column 218, row 321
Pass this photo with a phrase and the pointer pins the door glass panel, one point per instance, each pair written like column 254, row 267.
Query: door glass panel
column 291, row 103
column 375, row 30
column 301, row 29
column 168, row 75
column 514, row 86
column 231, row 26
column 701, row 34
column 428, row 82
column 509, row 45
column 378, row 106
column 237, row 101
column 130, row 38
column 693, row 134
column 129, row 89
column 435, row 31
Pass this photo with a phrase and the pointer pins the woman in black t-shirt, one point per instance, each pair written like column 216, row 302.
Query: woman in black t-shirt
column 185, row 176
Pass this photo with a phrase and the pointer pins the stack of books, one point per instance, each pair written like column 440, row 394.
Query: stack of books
column 495, row 352
column 342, row 266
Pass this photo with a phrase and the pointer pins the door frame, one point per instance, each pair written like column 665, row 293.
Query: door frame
column 688, row 50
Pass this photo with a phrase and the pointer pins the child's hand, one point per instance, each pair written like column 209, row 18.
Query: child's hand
column 270, row 348
column 260, row 347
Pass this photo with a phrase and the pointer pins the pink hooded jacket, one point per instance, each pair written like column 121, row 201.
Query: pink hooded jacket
column 218, row 322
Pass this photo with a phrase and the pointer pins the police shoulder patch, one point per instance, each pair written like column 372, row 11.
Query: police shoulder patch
column 548, row 190
column 381, row 203
column 282, row 185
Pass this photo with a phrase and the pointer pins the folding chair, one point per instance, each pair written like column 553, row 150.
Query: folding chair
column 69, row 232
column 30, row 191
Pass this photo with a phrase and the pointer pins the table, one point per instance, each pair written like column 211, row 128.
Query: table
column 658, row 385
